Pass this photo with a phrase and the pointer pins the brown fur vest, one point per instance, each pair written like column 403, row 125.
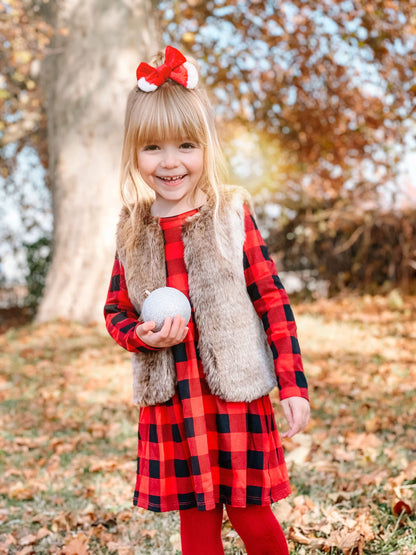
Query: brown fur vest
column 236, row 358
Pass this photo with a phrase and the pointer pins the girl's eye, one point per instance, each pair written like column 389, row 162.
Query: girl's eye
column 150, row 147
column 187, row 146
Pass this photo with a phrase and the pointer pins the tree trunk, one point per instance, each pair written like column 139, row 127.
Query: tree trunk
column 87, row 75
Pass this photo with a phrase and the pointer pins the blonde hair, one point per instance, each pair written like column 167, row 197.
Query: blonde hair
column 168, row 113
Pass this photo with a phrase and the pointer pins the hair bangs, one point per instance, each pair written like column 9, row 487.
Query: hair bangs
column 171, row 113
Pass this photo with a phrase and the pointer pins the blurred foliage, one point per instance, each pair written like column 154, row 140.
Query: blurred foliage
column 364, row 250
column 328, row 91
column 38, row 257
column 333, row 82
column 25, row 37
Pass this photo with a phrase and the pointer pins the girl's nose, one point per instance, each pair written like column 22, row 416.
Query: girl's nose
column 170, row 158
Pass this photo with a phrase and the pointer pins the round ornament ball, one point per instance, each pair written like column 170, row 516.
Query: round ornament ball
column 164, row 302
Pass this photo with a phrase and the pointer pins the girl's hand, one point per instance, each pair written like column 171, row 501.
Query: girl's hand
column 297, row 412
column 173, row 332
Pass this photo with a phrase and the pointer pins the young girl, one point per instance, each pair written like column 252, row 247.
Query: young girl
column 207, row 434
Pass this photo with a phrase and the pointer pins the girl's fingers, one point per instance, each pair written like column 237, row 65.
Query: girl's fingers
column 145, row 327
column 144, row 331
column 176, row 331
column 172, row 332
column 297, row 413
column 165, row 329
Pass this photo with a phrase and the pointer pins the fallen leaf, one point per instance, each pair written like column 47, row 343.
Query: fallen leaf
column 283, row 510
column 60, row 523
column 4, row 546
column 20, row 491
column 373, row 424
column 398, row 506
column 175, row 541
column 365, row 525
column 106, row 466
column 375, row 477
column 25, row 551
column 77, row 546
column 120, row 548
column 344, row 540
column 300, row 454
column 42, row 533
column 297, row 536
column 303, row 503
column 343, row 495
column 409, row 473
column 149, row 533
column 363, row 441
column 341, row 454
column 326, row 466
column 124, row 516
column 28, row 540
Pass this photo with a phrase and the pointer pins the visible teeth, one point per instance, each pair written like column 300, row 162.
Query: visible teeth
column 172, row 178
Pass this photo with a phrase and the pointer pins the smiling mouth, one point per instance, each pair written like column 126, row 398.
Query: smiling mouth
column 172, row 179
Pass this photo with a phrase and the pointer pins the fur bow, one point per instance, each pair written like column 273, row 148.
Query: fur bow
column 175, row 67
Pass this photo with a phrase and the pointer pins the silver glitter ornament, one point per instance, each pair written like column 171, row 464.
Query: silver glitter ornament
column 164, row 302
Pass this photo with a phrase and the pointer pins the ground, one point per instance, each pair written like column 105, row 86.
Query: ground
column 68, row 439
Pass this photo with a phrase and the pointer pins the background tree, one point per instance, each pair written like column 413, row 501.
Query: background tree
column 87, row 72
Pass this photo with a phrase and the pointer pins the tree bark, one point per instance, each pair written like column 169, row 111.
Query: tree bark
column 87, row 76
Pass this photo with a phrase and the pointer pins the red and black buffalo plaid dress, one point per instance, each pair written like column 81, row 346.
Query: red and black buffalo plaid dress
column 197, row 450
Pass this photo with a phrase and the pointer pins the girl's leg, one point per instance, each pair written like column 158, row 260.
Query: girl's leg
column 201, row 531
column 258, row 528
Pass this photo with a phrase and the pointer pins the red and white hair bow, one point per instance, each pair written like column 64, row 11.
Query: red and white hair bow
column 175, row 67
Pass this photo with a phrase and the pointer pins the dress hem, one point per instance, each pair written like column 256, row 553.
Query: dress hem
column 280, row 493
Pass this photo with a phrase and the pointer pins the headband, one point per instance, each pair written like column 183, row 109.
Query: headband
column 174, row 67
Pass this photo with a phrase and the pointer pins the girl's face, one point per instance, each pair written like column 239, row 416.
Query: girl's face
column 173, row 170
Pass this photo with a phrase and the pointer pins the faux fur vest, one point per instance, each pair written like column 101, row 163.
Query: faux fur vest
column 235, row 355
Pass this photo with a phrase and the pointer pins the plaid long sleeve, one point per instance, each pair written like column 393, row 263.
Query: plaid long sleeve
column 272, row 305
column 121, row 318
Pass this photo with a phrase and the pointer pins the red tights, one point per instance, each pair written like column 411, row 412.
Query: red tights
column 256, row 525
